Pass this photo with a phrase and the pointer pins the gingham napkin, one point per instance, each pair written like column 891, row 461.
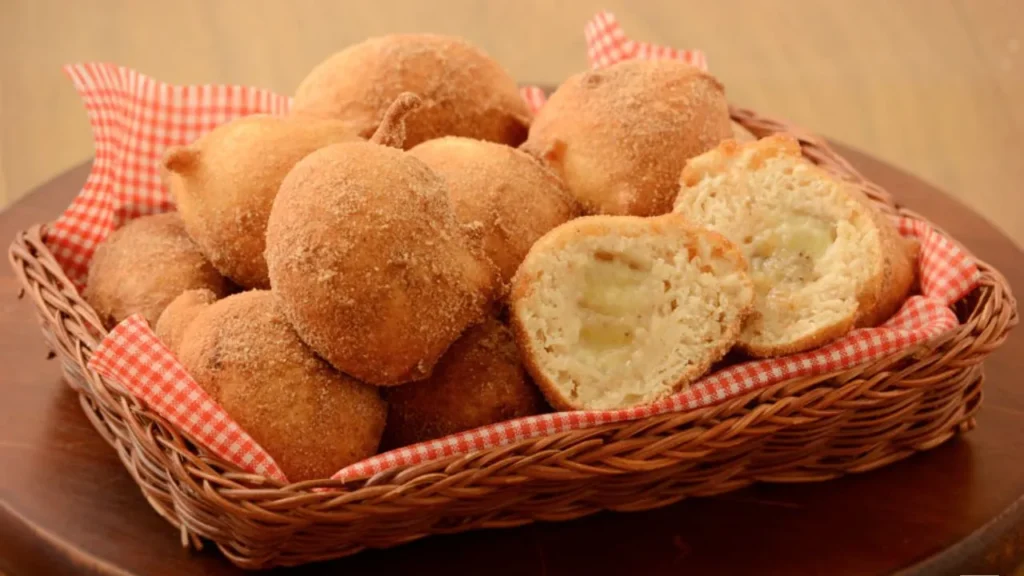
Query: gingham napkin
column 135, row 118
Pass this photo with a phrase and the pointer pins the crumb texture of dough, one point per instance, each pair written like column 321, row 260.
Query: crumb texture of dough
column 821, row 258
column 143, row 266
column 479, row 381
column 502, row 193
column 370, row 265
column 225, row 182
column 620, row 136
column 312, row 419
column 465, row 91
column 170, row 327
column 617, row 311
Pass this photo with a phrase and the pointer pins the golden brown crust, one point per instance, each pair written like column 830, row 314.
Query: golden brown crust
column 465, row 92
column 370, row 265
column 143, row 266
column 565, row 235
column 718, row 161
column 620, row 136
column 506, row 195
column 310, row 418
column 224, row 185
column 175, row 319
column 815, row 340
column 479, row 381
column 899, row 277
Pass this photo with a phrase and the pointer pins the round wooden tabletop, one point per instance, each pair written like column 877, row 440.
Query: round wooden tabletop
column 67, row 505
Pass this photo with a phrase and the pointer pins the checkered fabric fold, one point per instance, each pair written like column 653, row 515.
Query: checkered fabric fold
column 133, row 356
column 135, row 118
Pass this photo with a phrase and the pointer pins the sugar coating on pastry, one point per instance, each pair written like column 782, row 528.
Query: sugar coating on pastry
column 465, row 91
column 506, row 195
column 817, row 250
column 225, row 182
column 370, row 264
column 479, row 381
column 143, row 266
column 170, row 327
column 617, row 311
column 620, row 136
column 312, row 419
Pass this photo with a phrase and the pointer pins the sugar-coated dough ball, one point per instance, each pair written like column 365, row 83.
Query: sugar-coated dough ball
column 144, row 265
column 479, row 381
column 507, row 195
column 309, row 417
column 170, row 327
column 224, row 185
column 620, row 136
column 465, row 91
column 370, row 265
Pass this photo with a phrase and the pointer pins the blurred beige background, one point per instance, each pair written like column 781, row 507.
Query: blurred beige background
column 933, row 86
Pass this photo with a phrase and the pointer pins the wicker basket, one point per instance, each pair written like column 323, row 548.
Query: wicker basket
column 801, row 430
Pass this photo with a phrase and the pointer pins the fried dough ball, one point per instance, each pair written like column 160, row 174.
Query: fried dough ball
column 620, row 136
column 225, row 182
column 309, row 417
column 465, row 91
column 170, row 327
column 479, row 381
column 370, row 264
column 144, row 265
column 510, row 197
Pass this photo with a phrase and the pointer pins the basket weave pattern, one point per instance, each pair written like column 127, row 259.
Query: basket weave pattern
column 805, row 429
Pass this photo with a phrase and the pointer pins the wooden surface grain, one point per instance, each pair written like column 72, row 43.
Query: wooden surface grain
column 933, row 86
column 68, row 506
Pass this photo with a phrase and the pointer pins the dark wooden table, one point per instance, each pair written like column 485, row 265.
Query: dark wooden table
column 67, row 505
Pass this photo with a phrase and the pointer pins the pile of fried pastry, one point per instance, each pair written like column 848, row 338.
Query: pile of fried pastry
column 410, row 253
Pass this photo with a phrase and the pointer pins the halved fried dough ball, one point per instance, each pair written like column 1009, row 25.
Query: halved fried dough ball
column 170, row 327
column 618, row 311
column 465, row 91
column 225, row 182
column 510, row 197
column 620, row 136
column 370, row 264
column 309, row 417
column 144, row 265
column 479, row 381
column 822, row 259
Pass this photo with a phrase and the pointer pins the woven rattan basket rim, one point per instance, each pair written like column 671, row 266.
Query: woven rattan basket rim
column 80, row 330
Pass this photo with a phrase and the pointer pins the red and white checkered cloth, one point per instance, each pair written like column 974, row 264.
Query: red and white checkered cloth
column 133, row 356
column 135, row 118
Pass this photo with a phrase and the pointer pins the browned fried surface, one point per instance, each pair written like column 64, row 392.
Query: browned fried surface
column 144, row 265
column 170, row 327
column 506, row 194
column 620, row 136
column 311, row 418
column 391, row 130
column 370, row 264
column 465, row 92
column 899, row 278
column 479, row 381
column 224, row 185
